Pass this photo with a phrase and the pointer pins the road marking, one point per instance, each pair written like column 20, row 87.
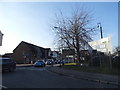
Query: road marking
column 32, row 69
column 3, row 86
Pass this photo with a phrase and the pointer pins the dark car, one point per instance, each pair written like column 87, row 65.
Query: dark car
column 39, row 64
column 116, row 61
column 8, row 64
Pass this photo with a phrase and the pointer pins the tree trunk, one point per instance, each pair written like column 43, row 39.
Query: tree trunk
column 78, row 57
column 78, row 50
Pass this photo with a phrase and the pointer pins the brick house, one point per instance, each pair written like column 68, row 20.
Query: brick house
column 29, row 53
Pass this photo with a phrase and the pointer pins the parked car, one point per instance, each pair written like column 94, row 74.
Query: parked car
column 39, row 64
column 8, row 64
column 50, row 62
column 116, row 61
column 57, row 62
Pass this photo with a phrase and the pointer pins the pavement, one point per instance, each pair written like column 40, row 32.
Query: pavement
column 95, row 77
column 24, row 65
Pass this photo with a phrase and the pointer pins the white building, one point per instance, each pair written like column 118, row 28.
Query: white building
column 56, row 55
column 103, row 45
column 1, row 36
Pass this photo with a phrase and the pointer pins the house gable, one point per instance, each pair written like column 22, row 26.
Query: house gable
column 26, row 51
column 20, row 51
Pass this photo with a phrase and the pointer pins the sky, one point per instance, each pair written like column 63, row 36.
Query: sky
column 31, row 21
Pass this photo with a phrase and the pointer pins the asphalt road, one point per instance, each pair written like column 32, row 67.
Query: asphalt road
column 31, row 77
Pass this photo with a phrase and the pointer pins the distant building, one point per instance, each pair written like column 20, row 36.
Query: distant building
column 56, row 55
column 29, row 53
column 9, row 55
column 0, row 56
column 1, row 36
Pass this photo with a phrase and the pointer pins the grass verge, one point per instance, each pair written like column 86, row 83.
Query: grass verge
column 102, row 70
column 70, row 64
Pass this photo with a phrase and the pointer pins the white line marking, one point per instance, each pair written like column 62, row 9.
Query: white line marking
column 3, row 86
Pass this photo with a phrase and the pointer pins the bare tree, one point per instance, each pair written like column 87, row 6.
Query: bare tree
column 117, row 50
column 74, row 31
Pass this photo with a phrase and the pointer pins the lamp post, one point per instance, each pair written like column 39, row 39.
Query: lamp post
column 99, row 25
column 1, row 36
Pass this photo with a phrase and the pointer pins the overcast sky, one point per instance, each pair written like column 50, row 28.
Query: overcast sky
column 30, row 21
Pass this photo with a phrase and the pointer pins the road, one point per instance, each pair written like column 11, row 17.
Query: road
column 31, row 77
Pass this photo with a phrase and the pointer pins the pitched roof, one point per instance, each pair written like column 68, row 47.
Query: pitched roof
column 31, row 45
column 34, row 48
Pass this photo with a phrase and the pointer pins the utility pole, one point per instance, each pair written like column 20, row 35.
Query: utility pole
column 1, row 36
column 99, row 25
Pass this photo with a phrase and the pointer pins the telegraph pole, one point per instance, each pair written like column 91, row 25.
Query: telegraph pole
column 101, row 36
column 99, row 25
column 1, row 36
